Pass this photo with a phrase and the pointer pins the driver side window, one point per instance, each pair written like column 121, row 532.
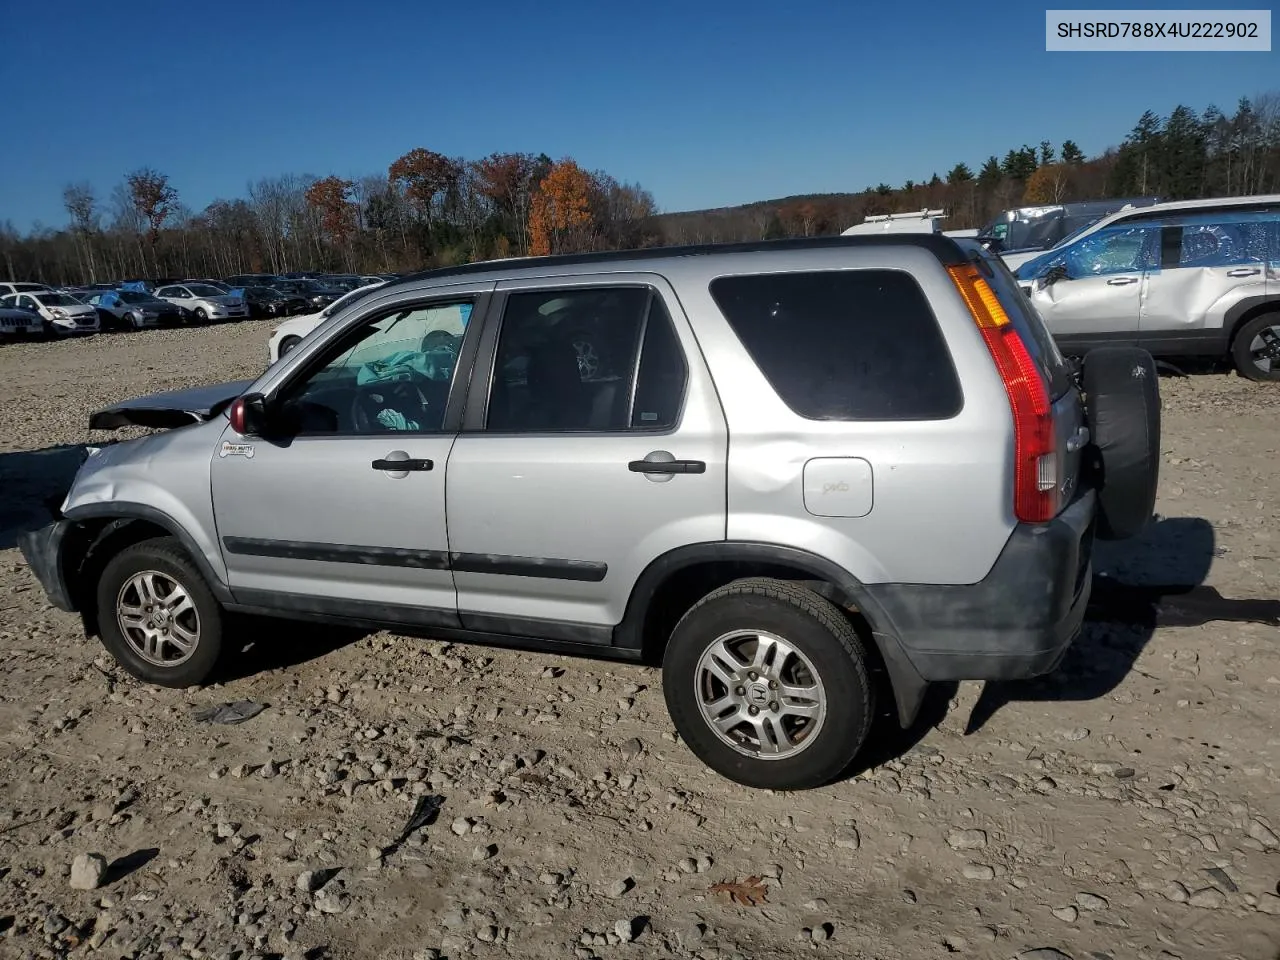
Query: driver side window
column 391, row 374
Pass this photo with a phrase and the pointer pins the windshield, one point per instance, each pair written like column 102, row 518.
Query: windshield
column 58, row 300
column 132, row 296
column 261, row 292
column 204, row 290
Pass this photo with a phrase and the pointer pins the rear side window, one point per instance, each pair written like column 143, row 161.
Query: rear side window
column 844, row 344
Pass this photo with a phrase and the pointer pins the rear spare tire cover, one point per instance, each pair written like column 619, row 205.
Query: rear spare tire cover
column 1122, row 394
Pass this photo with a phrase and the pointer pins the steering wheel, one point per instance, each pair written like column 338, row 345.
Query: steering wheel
column 406, row 396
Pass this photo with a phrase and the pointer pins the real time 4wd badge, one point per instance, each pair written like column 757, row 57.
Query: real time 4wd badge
column 230, row 449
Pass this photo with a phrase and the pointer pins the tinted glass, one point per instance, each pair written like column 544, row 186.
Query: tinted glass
column 392, row 376
column 204, row 290
column 566, row 359
column 661, row 375
column 844, row 345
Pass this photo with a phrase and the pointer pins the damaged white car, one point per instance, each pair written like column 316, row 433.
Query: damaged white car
column 1189, row 278
column 58, row 313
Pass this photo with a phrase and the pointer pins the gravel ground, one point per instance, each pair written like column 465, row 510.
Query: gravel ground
column 1126, row 807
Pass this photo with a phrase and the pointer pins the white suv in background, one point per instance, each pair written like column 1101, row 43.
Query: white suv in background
column 1185, row 278
column 62, row 313
column 205, row 301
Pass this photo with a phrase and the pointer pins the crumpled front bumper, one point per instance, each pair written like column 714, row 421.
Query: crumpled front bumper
column 42, row 549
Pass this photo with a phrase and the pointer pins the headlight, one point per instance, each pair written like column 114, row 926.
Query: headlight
column 58, row 312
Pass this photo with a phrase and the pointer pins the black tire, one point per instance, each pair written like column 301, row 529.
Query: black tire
column 135, row 321
column 1122, row 395
column 1242, row 355
column 201, row 316
column 812, row 625
column 164, row 556
column 287, row 344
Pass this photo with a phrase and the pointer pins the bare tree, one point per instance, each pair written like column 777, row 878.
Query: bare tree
column 82, row 207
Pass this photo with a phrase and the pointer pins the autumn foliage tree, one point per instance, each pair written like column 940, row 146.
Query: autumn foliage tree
column 508, row 180
column 1049, row 184
column 427, row 179
column 560, row 213
column 153, row 199
column 331, row 198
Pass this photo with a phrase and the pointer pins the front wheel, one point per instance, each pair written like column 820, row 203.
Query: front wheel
column 157, row 616
column 1256, row 348
column 201, row 316
column 767, row 683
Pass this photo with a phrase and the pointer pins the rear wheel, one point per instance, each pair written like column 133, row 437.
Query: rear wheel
column 157, row 616
column 288, row 343
column 1256, row 348
column 767, row 684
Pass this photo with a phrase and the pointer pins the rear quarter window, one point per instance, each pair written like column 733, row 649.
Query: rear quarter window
column 844, row 344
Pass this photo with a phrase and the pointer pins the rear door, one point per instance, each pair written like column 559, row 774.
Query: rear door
column 1210, row 262
column 593, row 443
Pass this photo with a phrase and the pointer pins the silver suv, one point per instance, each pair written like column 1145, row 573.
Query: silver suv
column 781, row 468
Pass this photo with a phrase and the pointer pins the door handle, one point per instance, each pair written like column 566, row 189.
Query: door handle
column 1244, row 272
column 667, row 466
column 404, row 465
column 1122, row 281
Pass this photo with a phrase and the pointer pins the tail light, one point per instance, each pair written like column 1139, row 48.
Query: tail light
column 1036, row 491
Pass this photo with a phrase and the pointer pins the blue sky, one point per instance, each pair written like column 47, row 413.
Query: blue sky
column 704, row 103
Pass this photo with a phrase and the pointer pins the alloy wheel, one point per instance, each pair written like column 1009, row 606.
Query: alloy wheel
column 158, row 618
column 760, row 694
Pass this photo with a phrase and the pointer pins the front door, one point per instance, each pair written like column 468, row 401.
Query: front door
column 342, row 511
column 593, row 443
column 1099, row 298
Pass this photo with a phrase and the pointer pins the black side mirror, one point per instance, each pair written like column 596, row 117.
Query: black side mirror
column 1055, row 273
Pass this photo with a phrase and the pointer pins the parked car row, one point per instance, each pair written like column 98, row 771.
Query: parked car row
column 36, row 309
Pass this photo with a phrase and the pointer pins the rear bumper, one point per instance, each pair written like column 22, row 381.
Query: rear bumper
column 1015, row 623
column 42, row 549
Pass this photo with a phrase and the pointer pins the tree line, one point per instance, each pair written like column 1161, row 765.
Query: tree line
column 429, row 209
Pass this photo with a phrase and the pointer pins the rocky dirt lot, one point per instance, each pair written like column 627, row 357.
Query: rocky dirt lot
column 1126, row 807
